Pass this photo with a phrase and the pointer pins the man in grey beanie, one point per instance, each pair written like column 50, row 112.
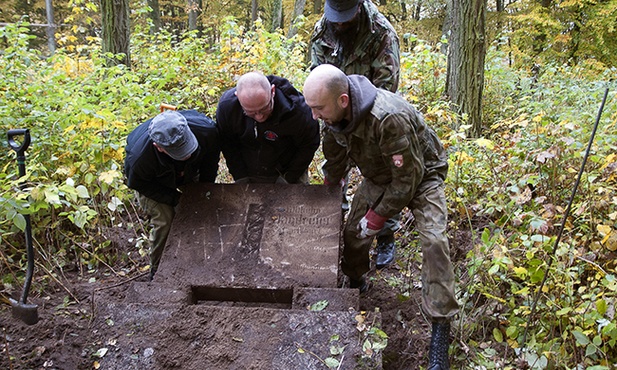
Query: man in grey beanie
column 171, row 149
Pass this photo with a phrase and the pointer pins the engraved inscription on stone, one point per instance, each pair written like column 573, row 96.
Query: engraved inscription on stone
column 252, row 230
column 255, row 235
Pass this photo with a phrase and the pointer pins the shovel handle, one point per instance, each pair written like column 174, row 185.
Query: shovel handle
column 165, row 106
column 19, row 148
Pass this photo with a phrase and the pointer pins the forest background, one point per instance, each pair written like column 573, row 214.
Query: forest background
column 534, row 293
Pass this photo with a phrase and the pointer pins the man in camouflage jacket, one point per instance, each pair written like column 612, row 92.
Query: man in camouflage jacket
column 404, row 165
column 355, row 37
column 365, row 44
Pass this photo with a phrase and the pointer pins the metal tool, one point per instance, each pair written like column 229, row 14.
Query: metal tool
column 28, row 313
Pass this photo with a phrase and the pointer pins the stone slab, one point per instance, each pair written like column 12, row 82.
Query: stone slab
column 254, row 235
column 248, row 281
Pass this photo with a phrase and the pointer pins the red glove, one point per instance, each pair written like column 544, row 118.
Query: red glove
column 370, row 224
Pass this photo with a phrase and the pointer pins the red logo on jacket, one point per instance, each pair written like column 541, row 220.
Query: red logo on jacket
column 397, row 159
column 271, row 135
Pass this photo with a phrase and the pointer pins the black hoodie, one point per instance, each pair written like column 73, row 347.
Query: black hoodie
column 283, row 145
column 156, row 175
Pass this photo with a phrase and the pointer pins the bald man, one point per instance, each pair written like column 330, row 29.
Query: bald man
column 404, row 165
column 268, row 134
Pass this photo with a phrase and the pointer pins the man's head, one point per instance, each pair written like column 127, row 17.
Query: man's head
column 326, row 91
column 341, row 11
column 256, row 95
column 171, row 135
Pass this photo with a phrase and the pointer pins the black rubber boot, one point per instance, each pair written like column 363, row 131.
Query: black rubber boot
column 386, row 250
column 359, row 284
column 438, row 351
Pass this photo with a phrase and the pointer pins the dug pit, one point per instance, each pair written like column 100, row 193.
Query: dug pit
column 249, row 280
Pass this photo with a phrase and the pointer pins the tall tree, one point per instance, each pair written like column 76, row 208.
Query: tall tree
column 466, row 53
column 116, row 31
column 155, row 15
column 194, row 10
column 253, row 11
column 298, row 11
column 277, row 14
column 51, row 27
column 317, row 6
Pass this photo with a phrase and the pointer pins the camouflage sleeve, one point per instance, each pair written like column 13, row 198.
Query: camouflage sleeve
column 317, row 53
column 402, row 151
column 336, row 158
column 386, row 65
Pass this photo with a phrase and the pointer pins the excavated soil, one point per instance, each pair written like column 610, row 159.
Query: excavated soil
column 73, row 332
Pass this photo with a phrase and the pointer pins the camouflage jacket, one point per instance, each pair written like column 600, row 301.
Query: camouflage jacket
column 376, row 54
column 389, row 142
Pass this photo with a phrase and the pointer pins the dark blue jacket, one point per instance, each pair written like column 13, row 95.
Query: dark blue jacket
column 156, row 175
column 283, row 145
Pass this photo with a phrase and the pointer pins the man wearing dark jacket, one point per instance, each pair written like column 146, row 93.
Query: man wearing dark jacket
column 171, row 149
column 267, row 132
column 403, row 164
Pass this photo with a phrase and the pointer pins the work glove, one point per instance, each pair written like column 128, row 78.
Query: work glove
column 327, row 182
column 370, row 224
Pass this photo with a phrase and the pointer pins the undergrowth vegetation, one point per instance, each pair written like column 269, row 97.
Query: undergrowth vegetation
column 508, row 190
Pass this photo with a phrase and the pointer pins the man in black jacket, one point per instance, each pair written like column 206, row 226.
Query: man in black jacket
column 268, row 134
column 171, row 149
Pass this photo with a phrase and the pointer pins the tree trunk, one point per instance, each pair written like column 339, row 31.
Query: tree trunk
column 466, row 53
column 418, row 9
column 298, row 11
column 277, row 15
column 317, row 7
column 446, row 30
column 155, row 16
column 194, row 11
column 51, row 28
column 115, row 31
column 253, row 12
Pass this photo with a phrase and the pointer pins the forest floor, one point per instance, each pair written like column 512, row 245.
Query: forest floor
column 67, row 337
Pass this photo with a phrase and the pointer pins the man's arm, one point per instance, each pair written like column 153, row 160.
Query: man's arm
column 230, row 143
column 316, row 49
column 145, row 182
column 335, row 167
column 403, row 154
column 387, row 64
column 306, row 142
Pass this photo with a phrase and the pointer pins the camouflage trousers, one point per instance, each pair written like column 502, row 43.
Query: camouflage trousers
column 161, row 215
column 430, row 212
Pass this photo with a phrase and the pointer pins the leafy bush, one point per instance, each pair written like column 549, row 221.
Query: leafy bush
column 508, row 190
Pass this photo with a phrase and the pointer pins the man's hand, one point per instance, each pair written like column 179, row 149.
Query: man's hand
column 328, row 182
column 370, row 224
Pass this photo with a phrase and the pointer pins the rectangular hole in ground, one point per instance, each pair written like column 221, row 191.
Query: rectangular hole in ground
column 242, row 297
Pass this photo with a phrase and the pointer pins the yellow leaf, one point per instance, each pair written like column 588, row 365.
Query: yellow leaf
column 109, row 176
column 520, row 271
column 610, row 242
column 608, row 160
column 604, row 230
column 485, row 143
